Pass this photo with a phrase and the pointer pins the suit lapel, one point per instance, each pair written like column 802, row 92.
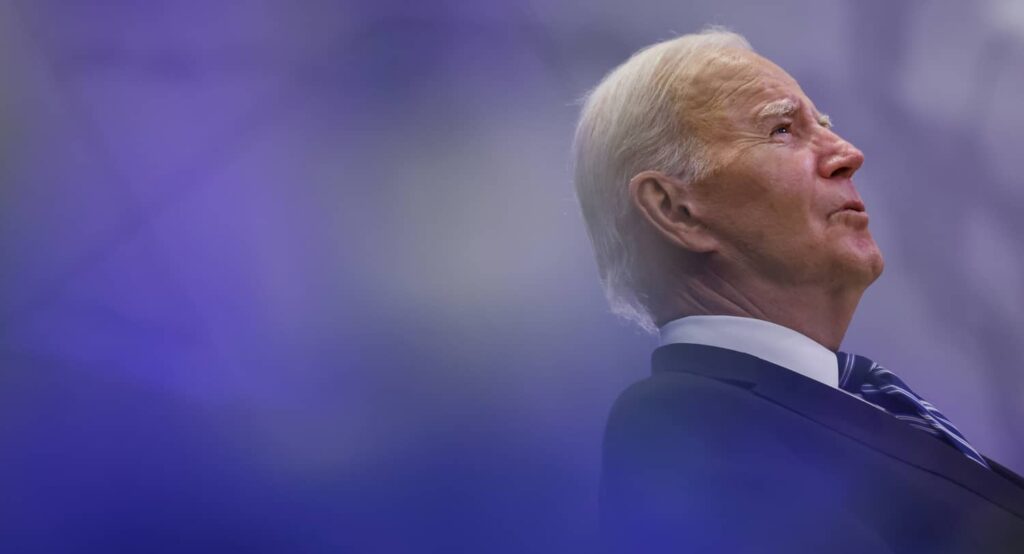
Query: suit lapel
column 1005, row 472
column 843, row 414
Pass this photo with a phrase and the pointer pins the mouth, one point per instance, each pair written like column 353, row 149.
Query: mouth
column 851, row 206
column 851, row 213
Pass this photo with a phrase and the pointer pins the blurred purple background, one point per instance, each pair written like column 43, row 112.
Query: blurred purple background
column 309, row 276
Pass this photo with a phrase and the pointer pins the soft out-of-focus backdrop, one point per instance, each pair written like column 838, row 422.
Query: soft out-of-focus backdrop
column 308, row 276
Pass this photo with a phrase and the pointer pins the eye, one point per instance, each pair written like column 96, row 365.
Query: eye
column 781, row 130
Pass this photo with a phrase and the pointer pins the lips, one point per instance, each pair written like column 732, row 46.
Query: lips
column 851, row 205
column 851, row 213
column 855, row 205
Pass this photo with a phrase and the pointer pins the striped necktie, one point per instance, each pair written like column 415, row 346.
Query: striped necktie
column 864, row 378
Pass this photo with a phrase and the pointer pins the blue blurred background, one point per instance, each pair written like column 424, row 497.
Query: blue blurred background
column 309, row 276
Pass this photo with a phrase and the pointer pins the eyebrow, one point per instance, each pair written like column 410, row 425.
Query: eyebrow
column 783, row 107
column 786, row 107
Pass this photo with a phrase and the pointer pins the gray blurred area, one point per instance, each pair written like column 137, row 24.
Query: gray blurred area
column 310, row 275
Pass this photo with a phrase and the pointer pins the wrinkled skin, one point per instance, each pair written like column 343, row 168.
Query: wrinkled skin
column 775, row 198
column 775, row 230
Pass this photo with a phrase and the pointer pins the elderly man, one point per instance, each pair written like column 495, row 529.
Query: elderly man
column 723, row 213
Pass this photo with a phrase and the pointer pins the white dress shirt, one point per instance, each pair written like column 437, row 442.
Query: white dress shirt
column 769, row 341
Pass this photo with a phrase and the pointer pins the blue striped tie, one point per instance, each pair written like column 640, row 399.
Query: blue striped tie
column 864, row 378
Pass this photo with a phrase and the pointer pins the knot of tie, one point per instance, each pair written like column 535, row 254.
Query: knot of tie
column 866, row 379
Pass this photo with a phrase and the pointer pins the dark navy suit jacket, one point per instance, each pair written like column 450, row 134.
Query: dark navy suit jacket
column 719, row 451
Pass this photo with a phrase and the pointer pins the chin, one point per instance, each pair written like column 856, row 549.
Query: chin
column 865, row 263
column 875, row 268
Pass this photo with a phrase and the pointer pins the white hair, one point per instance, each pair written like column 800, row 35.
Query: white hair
column 633, row 122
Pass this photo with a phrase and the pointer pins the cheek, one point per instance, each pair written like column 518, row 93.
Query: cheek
column 798, row 198
column 766, row 200
column 787, row 204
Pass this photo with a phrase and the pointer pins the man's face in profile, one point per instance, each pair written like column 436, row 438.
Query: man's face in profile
column 780, row 197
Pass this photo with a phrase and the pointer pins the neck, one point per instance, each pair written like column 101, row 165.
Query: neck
column 818, row 312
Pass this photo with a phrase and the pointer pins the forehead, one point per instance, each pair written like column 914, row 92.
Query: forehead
column 741, row 85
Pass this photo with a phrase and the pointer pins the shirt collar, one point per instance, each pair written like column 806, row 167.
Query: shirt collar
column 766, row 340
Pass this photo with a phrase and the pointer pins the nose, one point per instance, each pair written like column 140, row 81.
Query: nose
column 840, row 159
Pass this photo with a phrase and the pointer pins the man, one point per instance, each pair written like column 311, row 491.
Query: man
column 723, row 213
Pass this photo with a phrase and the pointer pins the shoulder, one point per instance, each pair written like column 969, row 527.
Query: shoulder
column 686, row 431
column 678, row 431
column 673, row 386
column 678, row 402
column 700, row 464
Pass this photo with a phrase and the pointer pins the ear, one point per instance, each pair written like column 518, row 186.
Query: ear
column 668, row 206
